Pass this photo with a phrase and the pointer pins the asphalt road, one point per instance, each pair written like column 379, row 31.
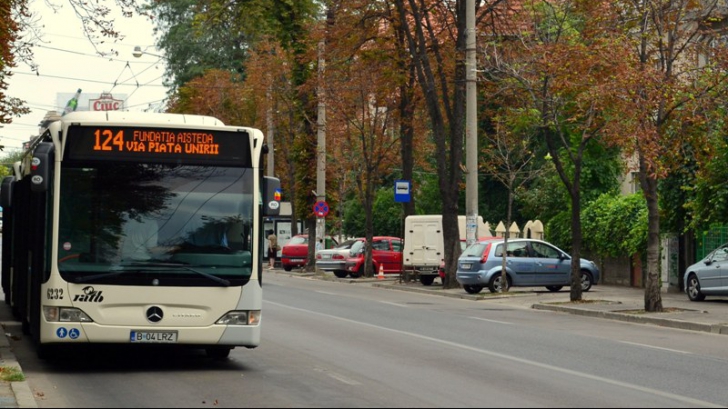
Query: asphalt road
column 328, row 344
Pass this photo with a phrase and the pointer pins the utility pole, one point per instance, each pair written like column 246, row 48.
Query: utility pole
column 471, row 127
column 271, row 129
column 321, row 143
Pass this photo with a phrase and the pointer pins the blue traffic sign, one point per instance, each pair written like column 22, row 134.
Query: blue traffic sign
column 402, row 191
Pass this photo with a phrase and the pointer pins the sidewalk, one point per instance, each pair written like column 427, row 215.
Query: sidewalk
column 16, row 394
column 603, row 301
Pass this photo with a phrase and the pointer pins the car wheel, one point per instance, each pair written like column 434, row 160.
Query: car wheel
column 554, row 288
column 288, row 268
column 586, row 281
column 357, row 274
column 473, row 289
column 496, row 283
column 340, row 274
column 427, row 280
column 693, row 289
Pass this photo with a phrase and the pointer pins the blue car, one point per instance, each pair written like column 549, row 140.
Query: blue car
column 529, row 263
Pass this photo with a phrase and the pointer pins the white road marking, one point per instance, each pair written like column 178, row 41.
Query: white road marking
column 343, row 379
column 493, row 321
column 667, row 395
column 394, row 304
column 658, row 348
column 338, row 377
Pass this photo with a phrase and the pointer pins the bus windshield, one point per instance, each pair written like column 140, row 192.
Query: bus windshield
column 155, row 224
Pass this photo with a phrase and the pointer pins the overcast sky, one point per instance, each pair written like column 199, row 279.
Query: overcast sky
column 68, row 62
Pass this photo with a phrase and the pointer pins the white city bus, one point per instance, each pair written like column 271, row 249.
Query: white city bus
column 134, row 228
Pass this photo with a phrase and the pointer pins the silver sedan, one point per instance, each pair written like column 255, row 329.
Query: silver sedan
column 708, row 276
column 334, row 260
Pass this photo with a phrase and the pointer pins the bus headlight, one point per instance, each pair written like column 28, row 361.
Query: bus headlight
column 60, row 314
column 240, row 318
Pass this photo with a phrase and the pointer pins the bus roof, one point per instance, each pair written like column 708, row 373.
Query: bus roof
column 141, row 117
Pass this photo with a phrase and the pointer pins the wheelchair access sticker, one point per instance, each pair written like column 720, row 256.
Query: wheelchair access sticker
column 73, row 333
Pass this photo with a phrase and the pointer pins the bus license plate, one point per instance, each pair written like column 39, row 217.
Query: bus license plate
column 154, row 337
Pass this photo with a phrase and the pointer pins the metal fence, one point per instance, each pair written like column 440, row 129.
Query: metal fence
column 710, row 240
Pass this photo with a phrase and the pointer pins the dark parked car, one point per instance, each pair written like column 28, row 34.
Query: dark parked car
column 708, row 276
column 530, row 263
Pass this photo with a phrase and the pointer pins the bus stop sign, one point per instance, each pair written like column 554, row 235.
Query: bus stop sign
column 321, row 209
column 402, row 191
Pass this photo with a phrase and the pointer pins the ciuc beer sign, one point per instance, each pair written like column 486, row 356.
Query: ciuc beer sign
column 106, row 102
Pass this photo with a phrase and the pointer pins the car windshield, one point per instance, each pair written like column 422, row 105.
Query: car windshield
column 357, row 246
column 131, row 217
column 476, row 250
column 346, row 245
column 299, row 240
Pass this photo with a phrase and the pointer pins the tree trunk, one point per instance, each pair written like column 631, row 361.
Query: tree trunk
column 311, row 227
column 446, row 109
column 291, row 170
column 406, row 109
column 653, row 297
column 509, row 214
column 369, row 225
column 576, row 292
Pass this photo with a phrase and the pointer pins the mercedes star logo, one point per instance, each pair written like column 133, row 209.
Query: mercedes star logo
column 155, row 314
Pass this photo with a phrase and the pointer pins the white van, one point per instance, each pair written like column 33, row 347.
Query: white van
column 424, row 248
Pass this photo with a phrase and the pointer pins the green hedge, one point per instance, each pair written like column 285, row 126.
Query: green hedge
column 612, row 226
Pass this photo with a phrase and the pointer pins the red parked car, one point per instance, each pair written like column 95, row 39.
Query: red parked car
column 386, row 251
column 295, row 252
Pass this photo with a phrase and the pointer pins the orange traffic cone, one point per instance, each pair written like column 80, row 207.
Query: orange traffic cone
column 380, row 276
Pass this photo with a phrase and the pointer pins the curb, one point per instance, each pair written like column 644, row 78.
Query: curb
column 720, row 329
column 23, row 395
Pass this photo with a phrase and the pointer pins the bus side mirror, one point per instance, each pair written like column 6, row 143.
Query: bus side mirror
column 271, row 196
column 6, row 192
column 40, row 167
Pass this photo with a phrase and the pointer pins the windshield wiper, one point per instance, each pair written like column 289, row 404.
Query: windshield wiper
column 135, row 268
column 222, row 281
column 121, row 271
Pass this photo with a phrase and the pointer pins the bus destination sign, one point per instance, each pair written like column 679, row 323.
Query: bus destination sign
column 157, row 144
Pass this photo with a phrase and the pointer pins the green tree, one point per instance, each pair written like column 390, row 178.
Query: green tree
column 671, row 97
column 564, row 68
column 616, row 225
column 199, row 35
column 388, row 220
column 439, row 60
